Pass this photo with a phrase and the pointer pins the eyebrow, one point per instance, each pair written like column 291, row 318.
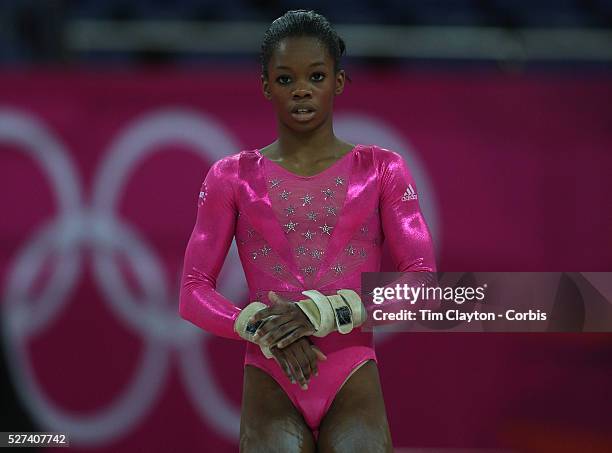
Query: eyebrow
column 316, row 63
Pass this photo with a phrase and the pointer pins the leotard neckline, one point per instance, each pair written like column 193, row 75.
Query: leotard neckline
column 316, row 175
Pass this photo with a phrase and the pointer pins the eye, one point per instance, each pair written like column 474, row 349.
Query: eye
column 318, row 76
column 283, row 79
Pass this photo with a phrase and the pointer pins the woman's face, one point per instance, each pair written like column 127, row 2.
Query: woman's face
column 301, row 83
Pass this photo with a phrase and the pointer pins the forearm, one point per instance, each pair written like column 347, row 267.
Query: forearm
column 202, row 305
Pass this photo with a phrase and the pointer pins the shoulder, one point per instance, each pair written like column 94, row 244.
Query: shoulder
column 383, row 159
column 228, row 167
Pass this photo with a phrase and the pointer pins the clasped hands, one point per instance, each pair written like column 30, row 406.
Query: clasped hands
column 285, row 330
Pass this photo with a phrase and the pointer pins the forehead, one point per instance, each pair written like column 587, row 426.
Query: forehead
column 299, row 51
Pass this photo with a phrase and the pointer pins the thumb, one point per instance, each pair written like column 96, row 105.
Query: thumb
column 318, row 353
column 274, row 297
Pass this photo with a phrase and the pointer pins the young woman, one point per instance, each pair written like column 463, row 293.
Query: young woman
column 309, row 213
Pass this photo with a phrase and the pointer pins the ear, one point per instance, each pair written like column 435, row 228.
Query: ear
column 265, row 88
column 340, row 79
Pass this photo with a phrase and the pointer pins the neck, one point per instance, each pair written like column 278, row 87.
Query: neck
column 308, row 146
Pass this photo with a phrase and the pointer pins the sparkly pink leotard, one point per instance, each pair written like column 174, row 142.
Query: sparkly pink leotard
column 296, row 233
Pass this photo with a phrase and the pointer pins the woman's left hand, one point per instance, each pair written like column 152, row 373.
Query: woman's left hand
column 284, row 323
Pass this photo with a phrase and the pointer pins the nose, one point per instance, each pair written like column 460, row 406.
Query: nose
column 302, row 92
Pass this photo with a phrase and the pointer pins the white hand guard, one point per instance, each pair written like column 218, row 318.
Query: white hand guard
column 341, row 312
column 247, row 331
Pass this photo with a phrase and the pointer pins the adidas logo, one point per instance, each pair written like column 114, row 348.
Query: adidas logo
column 410, row 194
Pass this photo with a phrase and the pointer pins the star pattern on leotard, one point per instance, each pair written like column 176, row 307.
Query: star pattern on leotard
column 327, row 193
column 338, row 269
column 307, row 199
column 290, row 226
column 265, row 250
column 350, row 250
column 317, row 254
column 309, row 235
column 331, row 210
column 326, row 229
column 289, row 210
column 308, row 270
column 274, row 183
column 301, row 250
column 285, row 194
column 339, row 181
column 277, row 268
column 312, row 215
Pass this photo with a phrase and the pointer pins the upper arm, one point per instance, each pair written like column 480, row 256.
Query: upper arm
column 402, row 221
column 215, row 223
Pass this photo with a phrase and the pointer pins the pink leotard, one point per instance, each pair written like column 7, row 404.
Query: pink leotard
column 303, row 232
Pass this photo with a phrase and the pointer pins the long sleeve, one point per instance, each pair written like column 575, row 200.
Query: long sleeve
column 402, row 221
column 404, row 228
column 199, row 302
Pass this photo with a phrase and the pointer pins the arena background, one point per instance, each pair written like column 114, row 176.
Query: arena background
column 111, row 113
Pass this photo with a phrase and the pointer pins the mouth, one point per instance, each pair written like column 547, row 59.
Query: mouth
column 303, row 114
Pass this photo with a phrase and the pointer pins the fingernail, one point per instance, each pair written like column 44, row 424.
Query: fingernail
column 304, row 386
column 316, row 373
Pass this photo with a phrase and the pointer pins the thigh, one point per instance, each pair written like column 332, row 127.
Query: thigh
column 269, row 421
column 357, row 420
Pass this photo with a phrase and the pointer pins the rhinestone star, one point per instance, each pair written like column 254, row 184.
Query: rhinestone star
column 339, row 181
column 307, row 199
column 350, row 250
column 317, row 254
column 274, row 183
column 309, row 235
column 331, row 210
column 277, row 268
column 290, row 226
column 250, row 232
column 254, row 254
column 265, row 250
column 312, row 216
column 326, row 229
column 328, row 193
column 338, row 269
column 362, row 253
column 308, row 270
column 364, row 229
column 290, row 210
column 285, row 194
column 301, row 250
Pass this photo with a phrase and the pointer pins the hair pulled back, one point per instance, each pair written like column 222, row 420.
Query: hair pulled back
column 299, row 23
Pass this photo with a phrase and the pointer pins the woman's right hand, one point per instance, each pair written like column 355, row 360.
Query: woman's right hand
column 299, row 360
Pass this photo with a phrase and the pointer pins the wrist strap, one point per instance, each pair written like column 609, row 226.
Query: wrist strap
column 342, row 314
column 354, row 302
column 326, row 314
column 247, row 331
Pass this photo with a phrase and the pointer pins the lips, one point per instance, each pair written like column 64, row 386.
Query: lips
column 303, row 112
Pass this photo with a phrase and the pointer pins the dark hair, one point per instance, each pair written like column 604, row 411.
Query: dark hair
column 301, row 23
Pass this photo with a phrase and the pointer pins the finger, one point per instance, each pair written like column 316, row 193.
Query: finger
column 297, row 369
column 270, row 324
column 304, row 362
column 310, row 355
column 318, row 352
column 266, row 312
column 276, row 332
column 276, row 298
column 280, row 358
column 292, row 337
